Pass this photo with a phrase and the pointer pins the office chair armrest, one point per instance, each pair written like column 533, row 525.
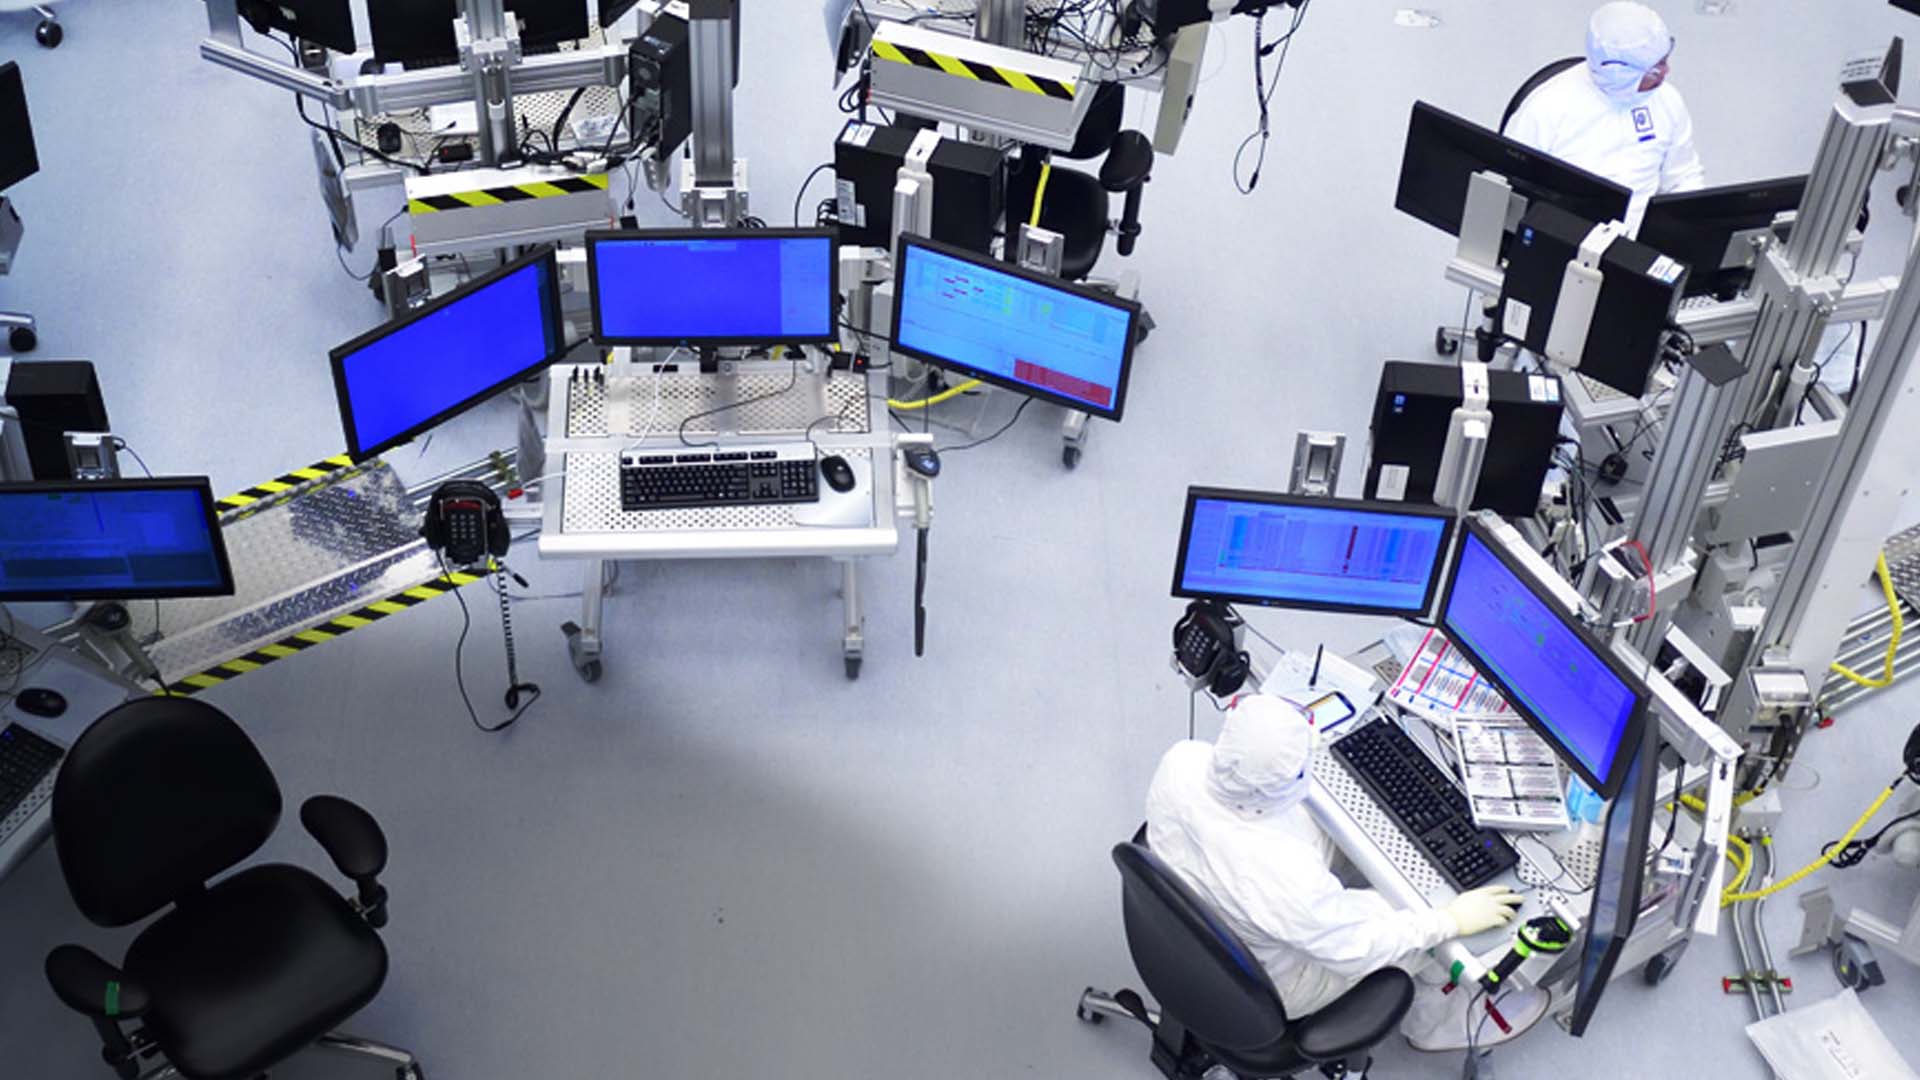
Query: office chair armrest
column 1357, row 1019
column 356, row 845
column 92, row 987
column 1129, row 163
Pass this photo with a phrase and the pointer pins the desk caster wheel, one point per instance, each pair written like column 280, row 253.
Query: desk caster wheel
column 1660, row 966
column 410, row 1072
column 22, row 339
column 590, row 671
column 853, row 668
column 585, row 656
column 48, row 34
column 1070, row 456
column 1855, row 966
column 1443, row 344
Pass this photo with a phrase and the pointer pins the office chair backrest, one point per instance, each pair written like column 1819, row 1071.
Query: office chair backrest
column 1534, row 82
column 156, row 797
column 1196, row 968
column 1102, row 123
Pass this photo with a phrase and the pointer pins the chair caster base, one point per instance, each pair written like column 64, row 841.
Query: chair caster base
column 49, row 34
column 22, row 339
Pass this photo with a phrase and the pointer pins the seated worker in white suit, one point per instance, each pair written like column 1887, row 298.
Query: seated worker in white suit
column 1227, row 817
column 1616, row 115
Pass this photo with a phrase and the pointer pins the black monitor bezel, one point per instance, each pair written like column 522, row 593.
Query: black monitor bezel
column 1606, row 786
column 1496, row 151
column 1645, row 767
column 338, row 356
column 342, row 20
column 13, row 97
column 598, row 236
column 1720, row 207
column 584, row 24
column 210, row 511
column 1196, row 493
column 998, row 266
column 442, row 50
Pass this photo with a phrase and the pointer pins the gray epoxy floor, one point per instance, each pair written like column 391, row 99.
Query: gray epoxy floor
column 724, row 859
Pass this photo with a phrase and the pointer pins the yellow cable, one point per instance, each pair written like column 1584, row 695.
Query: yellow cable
column 1040, row 192
column 927, row 403
column 1801, row 874
column 1893, row 646
column 1743, row 862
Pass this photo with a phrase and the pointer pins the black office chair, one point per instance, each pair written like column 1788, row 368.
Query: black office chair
column 1076, row 204
column 1534, row 82
column 1218, row 1007
column 156, row 798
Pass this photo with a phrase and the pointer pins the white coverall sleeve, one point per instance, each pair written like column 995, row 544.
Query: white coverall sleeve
column 1682, row 171
column 1350, row 932
column 1532, row 124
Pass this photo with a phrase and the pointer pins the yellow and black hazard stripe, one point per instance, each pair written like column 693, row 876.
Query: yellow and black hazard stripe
column 1011, row 78
column 317, row 635
column 272, row 492
column 509, row 193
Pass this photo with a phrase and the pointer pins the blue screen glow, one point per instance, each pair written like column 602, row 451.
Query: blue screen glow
column 1012, row 330
column 110, row 542
column 729, row 289
column 408, row 377
column 1552, row 674
column 1328, row 555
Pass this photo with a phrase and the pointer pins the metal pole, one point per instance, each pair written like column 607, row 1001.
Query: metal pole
column 1001, row 22
column 710, row 37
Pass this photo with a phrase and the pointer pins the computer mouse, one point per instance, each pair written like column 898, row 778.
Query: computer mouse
column 40, row 701
column 836, row 472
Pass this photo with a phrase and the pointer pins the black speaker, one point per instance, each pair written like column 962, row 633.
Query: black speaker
column 54, row 397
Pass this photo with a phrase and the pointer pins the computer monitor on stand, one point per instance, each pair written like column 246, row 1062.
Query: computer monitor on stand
column 1618, row 886
column 111, row 540
column 707, row 288
column 1317, row 554
column 1443, row 152
column 1017, row 329
column 1712, row 230
column 397, row 381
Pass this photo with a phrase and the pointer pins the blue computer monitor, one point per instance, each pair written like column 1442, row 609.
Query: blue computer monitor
column 422, row 369
column 1620, row 880
column 1555, row 674
column 1024, row 331
column 701, row 287
column 1293, row 551
column 111, row 540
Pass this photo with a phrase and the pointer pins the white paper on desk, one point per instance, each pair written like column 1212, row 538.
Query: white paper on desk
column 1527, row 748
column 1488, row 781
column 1481, row 747
column 1534, row 781
column 1542, row 814
column 1488, row 810
column 1293, row 671
column 1440, row 684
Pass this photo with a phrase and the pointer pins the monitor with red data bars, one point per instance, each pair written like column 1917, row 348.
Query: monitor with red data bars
column 1025, row 331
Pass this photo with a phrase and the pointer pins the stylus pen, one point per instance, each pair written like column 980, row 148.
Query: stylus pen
column 1314, row 679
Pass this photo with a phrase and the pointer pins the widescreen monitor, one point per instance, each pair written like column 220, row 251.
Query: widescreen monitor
column 1615, row 909
column 111, row 540
column 1023, row 331
column 398, row 380
column 17, row 157
column 1711, row 230
column 1443, row 152
column 1294, row 551
column 712, row 287
column 1555, row 674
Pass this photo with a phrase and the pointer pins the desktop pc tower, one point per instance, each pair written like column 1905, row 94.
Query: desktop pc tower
column 1411, row 414
column 54, row 397
column 969, row 187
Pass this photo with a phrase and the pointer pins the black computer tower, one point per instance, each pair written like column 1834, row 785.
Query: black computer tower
column 54, row 397
column 1639, row 293
column 1411, row 414
column 969, row 186
column 660, row 77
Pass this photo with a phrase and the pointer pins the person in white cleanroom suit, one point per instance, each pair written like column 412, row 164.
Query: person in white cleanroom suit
column 1616, row 115
column 1227, row 817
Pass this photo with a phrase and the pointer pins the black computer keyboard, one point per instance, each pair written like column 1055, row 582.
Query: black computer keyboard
column 1427, row 805
column 669, row 481
column 26, row 760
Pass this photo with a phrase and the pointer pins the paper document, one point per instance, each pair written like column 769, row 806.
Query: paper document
column 1511, row 777
column 1439, row 684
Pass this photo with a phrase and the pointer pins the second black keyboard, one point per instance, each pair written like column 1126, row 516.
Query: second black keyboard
column 1427, row 805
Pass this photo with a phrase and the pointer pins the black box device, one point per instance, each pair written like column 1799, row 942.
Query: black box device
column 1411, row 414
column 969, row 186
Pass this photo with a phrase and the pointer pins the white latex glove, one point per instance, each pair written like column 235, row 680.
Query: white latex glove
column 1483, row 909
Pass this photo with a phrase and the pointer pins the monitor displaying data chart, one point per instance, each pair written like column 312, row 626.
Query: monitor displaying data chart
column 1019, row 330
column 111, row 539
column 1295, row 551
column 699, row 287
column 398, row 380
column 1556, row 675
